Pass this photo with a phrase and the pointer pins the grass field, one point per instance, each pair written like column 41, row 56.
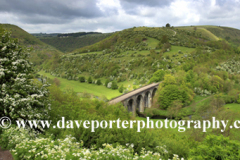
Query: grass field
column 84, row 87
column 233, row 106
column 175, row 49
column 97, row 90
column 152, row 42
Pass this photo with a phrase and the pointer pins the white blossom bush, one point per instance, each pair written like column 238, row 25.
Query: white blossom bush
column 202, row 92
column 20, row 98
column 14, row 135
column 231, row 66
column 109, row 85
column 111, row 78
column 24, row 145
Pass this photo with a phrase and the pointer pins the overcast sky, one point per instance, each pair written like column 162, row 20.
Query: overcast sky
column 64, row 16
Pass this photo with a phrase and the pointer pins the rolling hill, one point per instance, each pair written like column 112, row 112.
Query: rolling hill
column 198, row 67
column 71, row 41
column 24, row 37
column 40, row 51
column 131, row 56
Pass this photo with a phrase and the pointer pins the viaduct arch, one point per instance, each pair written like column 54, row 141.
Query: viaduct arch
column 138, row 99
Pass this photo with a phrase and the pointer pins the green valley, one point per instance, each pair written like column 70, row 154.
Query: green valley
column 76, row 75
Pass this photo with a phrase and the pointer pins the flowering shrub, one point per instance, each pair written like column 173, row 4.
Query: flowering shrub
column 13, row 136
column 25, row 146
column 231, row 66
column 19, row 97
column 109, row 85
column 202, row 92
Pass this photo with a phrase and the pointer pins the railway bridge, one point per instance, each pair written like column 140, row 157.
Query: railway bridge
column 138, row 99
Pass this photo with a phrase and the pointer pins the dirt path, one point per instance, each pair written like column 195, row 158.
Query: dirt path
column 5, row 155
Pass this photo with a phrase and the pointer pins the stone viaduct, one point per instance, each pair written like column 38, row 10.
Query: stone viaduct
column 138, row 99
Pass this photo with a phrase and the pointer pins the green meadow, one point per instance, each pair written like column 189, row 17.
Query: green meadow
column 233, row 107
column 84, row 87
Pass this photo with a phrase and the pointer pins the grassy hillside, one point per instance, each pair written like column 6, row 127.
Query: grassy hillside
column 40, row 51
column 128, row 39
column 200, row 30
column 134, row 54
column 70, row 43
column 134, row 38
column 182, row 35
column 24, row 37
column 232, row 35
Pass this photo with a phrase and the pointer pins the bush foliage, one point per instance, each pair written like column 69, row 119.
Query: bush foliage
column 20, row 97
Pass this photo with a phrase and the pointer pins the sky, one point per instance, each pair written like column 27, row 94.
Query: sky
column 66, row 16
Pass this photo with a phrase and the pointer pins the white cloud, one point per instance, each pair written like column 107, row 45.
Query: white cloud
column 185, row 12
column 6, row 17
column 109, row 4
column 114, row 15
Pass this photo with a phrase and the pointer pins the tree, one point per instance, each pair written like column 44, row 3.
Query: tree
column 20, row 97
column 189, row 76
column 217, row 82
column 166, row 47
column 164, row 39
column 56, row 81
column 82, row 79
column 167, row 95
column 168, row 80
column 114, row 85
column 89, row 80
column 172, row 92
column 168, row 25
column 120, row 89
column 157, row 76
column 99, row 82
column 106, row 82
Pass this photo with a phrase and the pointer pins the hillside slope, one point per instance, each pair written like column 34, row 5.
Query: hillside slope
column 40, row 51
column 133, row 38
column 130, row 57
column 24, row 37
column 70, row 43
column 232, row 35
